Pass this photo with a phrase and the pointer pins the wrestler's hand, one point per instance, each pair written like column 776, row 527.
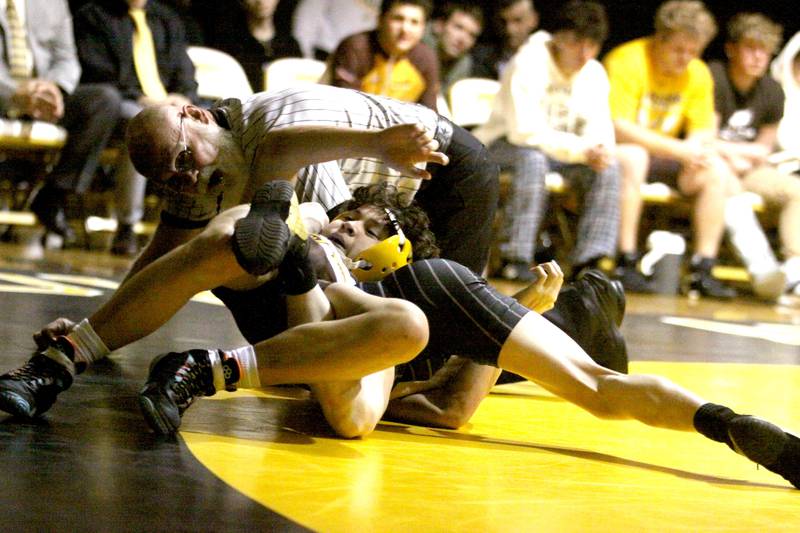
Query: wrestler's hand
column 437, row 380
column 408, row 145
column 57, row 328
column 540, row 296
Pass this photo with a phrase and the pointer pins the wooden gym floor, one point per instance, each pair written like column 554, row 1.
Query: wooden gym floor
column 265, row 461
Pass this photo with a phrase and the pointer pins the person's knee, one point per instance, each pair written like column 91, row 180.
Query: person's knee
column 716, row 178
column 214, row 242
column 406, row 324
column 356, row 423
column 351, row 411
column 400, row 325
column 634, row 161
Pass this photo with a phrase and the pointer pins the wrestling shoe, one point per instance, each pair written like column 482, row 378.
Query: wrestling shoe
column 704, row 283
column 633, row 280
column 604, row 300
column 176, row 379
column 31, row 390
column 768, row 445
column 296, row 272
column 260, row 239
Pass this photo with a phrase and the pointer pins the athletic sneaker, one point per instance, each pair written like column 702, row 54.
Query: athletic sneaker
column 605, row 302
column 175, row 380
column 768, row 445
column 31, row 389
column 704, row 283
column 769, row 285
column 633, row 280
column 260, row 239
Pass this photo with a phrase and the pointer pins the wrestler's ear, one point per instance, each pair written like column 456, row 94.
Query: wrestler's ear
column 196, row 113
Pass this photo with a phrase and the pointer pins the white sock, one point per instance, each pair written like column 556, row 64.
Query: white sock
column 748, row 238
column 216, row 369
column 246, row 356
column 89, row 347
column 792, row 269
column 59, row 357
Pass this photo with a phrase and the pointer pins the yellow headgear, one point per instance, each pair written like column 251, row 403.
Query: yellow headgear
column 383, row 258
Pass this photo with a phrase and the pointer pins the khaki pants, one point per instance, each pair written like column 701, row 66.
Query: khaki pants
column 782, row 191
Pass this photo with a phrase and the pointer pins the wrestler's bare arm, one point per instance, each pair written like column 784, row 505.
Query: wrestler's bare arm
column 457, row 390
column 454, row 392
column 401, row 147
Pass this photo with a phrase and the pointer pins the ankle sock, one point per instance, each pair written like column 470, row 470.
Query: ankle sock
column 88, row 345
column 246, row 357
column 61, row 355
column 235, row 368
column 712, row 421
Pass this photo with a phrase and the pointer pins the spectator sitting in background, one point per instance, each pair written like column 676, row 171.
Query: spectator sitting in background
column 452, row 35
column 320, row 25
column 392, row 60
column 786, row 69
column 749, row 105
column 552, row 114
column 191, row 13
column 39, row 74
column 110, row 36
column 261, row 43
column 662, row 104
column 515, row 21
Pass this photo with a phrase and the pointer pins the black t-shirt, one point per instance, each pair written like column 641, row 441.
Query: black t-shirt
column 742, row 115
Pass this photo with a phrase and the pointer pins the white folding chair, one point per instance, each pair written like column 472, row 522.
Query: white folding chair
column 38, row 143
column 471, row 100
column 218, row 74
column 292, row 71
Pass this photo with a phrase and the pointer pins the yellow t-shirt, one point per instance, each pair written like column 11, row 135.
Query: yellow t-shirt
column 400, row 80
column 670, row 105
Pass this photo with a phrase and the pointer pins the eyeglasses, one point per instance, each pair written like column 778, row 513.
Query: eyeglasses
column 184, row 161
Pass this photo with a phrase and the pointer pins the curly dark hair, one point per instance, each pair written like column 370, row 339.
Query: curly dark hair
column 411, row 217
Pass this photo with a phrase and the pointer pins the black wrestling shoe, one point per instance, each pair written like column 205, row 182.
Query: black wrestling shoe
column 175, row 380
column 703, row 283
column 768, row 445
column 608, row 294
column 48, row 206
column 633, row 280
column 31, row 390
column 296, row 271
column 604, row 300
column 260, row 239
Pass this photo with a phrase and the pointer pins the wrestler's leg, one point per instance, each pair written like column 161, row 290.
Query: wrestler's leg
column 352, row 407
column 539, row 351
column 154, row 294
